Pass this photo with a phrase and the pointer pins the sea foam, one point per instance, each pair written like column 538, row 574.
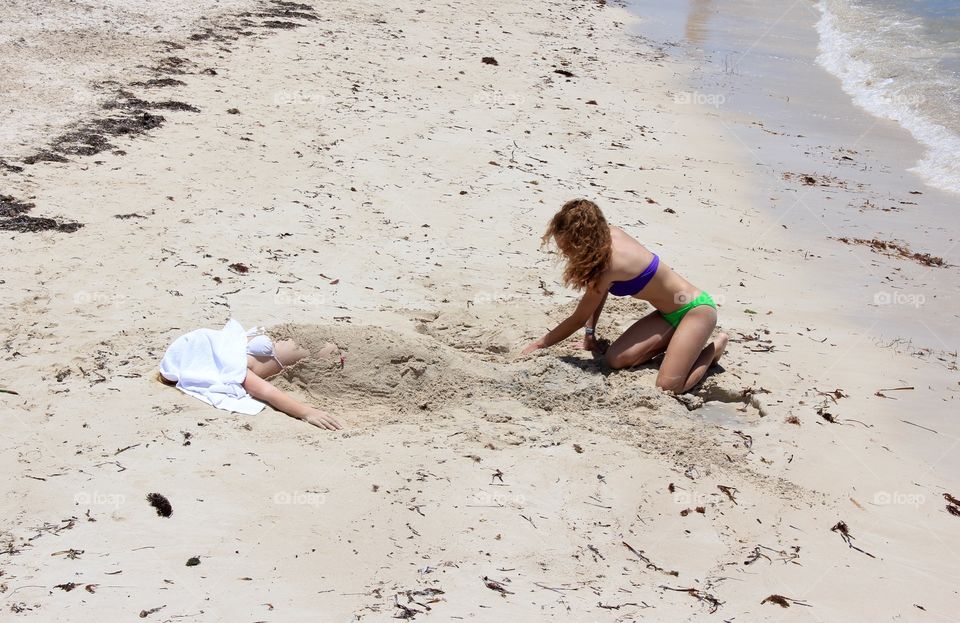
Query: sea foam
column 883, row 64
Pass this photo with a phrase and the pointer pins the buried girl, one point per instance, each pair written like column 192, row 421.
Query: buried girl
column 228, row 369
column 601, row 260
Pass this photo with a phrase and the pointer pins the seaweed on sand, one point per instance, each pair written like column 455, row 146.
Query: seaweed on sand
column 13, row 217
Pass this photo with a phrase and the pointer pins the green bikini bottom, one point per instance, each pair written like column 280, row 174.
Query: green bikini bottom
column 675, row 317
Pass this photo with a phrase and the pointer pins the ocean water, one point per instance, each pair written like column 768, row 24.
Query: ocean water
column 900, row 60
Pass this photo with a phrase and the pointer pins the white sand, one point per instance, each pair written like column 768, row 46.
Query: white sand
column 358, row 184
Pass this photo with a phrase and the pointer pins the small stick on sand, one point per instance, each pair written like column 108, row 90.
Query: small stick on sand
column 919, row 426
column 705, row 597
column 844, row 532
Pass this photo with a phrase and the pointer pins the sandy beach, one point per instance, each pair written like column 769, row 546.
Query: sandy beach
column 357, row 173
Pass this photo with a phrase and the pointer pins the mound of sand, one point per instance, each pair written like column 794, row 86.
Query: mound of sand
column 408, row 371
column 446, row 370
column 380, row 367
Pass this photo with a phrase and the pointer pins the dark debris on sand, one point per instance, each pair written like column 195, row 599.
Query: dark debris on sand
column 29, row 224
column 953, row 504
column 172, row 65
column 126, row 100
column 132, row 116
column 13, row 217
column 9, row 206
column 161, row 504
column 783, row 602
column 278, row 15
column 44, row 155
column 843, row 530
column 159, row 83
column 895, row 249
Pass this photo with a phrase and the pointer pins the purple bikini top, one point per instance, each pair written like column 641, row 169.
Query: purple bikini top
column 631, row 287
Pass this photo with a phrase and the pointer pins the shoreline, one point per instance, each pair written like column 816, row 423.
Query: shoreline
column 391, row 195
column 827, row 169
column 877, row 296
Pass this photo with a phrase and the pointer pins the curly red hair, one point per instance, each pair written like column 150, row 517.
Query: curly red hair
column 581, row 233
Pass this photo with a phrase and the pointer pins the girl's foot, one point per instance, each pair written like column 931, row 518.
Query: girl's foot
column 719, row 346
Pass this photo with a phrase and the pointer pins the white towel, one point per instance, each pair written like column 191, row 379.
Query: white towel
column 211, row 365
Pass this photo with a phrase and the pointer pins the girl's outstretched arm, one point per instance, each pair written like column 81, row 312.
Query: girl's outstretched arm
column 590, row 338
column 281, row 401
column 589, row 304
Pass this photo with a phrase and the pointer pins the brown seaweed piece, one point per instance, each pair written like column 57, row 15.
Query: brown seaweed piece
column 844, row 532
column 895, row 249
column 29, row 224
column 730, row 492
column 649, row 564
column 128, row 101
column 496, row 586
column 161, row 503
column 159, row 83
column 707, row 598
column 9, row 206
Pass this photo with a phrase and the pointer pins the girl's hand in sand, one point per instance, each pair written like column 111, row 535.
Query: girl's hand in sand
column 532, row 346
column 281, row 401
column 322, row 420
column 590, row 342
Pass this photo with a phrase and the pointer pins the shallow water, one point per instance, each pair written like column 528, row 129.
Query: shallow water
column 755, row 67
column 725, row 414
column 898, row 60
column 901, row 60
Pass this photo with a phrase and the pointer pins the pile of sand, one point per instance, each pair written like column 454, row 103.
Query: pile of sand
column 462, row 366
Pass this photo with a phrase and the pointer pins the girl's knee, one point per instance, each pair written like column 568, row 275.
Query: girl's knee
column 625, row 359
column 670, row 384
